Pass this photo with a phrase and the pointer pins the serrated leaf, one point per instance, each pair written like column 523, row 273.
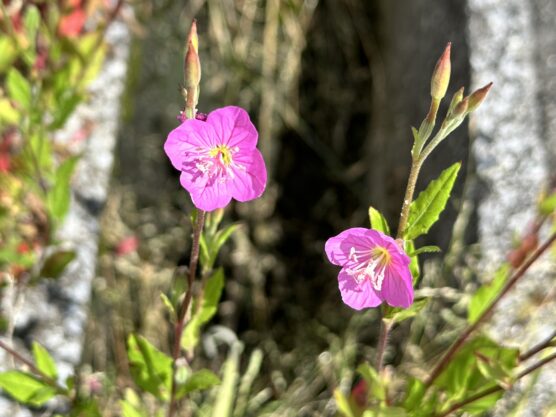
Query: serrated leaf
column 378, row 222
column 26, row 388
column 56, row 263
column 44, row 362
column 482, row 298
column 426, row 209
column 150, row 368
column 18, row 88
column 200, row 380
column 424, row 249
column 206, row 310
column 59, row 196
column 397, row 315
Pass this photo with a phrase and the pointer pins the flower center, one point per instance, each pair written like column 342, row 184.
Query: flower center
column 369, row 264
column 215, row 164
column 223, row 153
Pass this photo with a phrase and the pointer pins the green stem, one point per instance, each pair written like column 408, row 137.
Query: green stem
column 409, row 191
column 182, row 313
column 385, row 328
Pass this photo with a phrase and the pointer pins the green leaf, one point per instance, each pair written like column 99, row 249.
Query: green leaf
column 169, row 306
column 129, row 410
column 150, row 368
column 31, row 22
column 227, row 391
column 44, row 362
column 56, row 263
column 414, row 394
column 376, row 386
column 59, row 196
column 378, row 222
column 211, row 245
column 483, row 404
column 26, row 388
column 397, row 315
column 342, row 403
column 548, row 205
column 409, row 247
column 64, row 108
column 426, row 209
column 206, row 310
column 424, row 249
column 7, row 53
column 8, row 114
column 200, row 380
column 19, row 88
column 486, row 294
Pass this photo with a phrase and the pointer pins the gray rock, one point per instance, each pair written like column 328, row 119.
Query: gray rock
column 54, row 312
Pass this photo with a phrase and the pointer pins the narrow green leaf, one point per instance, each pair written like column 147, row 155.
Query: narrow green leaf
column 59, row 196
column 129, row 410
column 409, row 246
column 18, row 88
column 227, row 391
column 65, row 107
column 414, row 393
column 424, row 249
column 484, row 295
column 45, row 363
column 397, row 315
column 214, row 244
column 169, row 306
column 206, row 310
column 26, row 388
column 378, row 222
column 7, row 53
column 200, row 380
column 150, row 368
column 31, row 22
column 426, row 209
column 56, row 263
column 376, row 387
column 343, row 404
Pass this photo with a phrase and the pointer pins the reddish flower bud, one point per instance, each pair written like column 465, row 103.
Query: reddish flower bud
column 441, row 74
column 478, row 96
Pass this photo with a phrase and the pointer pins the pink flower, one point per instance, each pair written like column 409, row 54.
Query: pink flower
column 374, row 269
column 218, row 158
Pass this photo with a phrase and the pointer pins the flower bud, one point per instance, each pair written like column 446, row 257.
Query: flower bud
column 192, row 68
column 441, row 74
column 478, row 96
column 456, row 99
column 461, row 108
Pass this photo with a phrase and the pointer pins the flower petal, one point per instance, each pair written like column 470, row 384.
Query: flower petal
column 397, row 287
column 249, row 181
column 357, row 296
column 337, row 248
column 210, row 197
column 186, row 138
column 233, row 127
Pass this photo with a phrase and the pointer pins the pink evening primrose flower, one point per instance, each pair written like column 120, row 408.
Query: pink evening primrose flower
column 374, row 269
column 218, row 158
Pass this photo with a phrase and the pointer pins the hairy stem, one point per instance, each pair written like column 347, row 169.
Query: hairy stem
column 408, row 198
column 516, row 276
column 180, row 322
column 385, row 327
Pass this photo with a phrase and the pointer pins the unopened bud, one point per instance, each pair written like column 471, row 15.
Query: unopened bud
column 461, row 108
column 192, row 68
column 193, row 38
column 441, row 74
column 478, row 96
column 456, row 99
